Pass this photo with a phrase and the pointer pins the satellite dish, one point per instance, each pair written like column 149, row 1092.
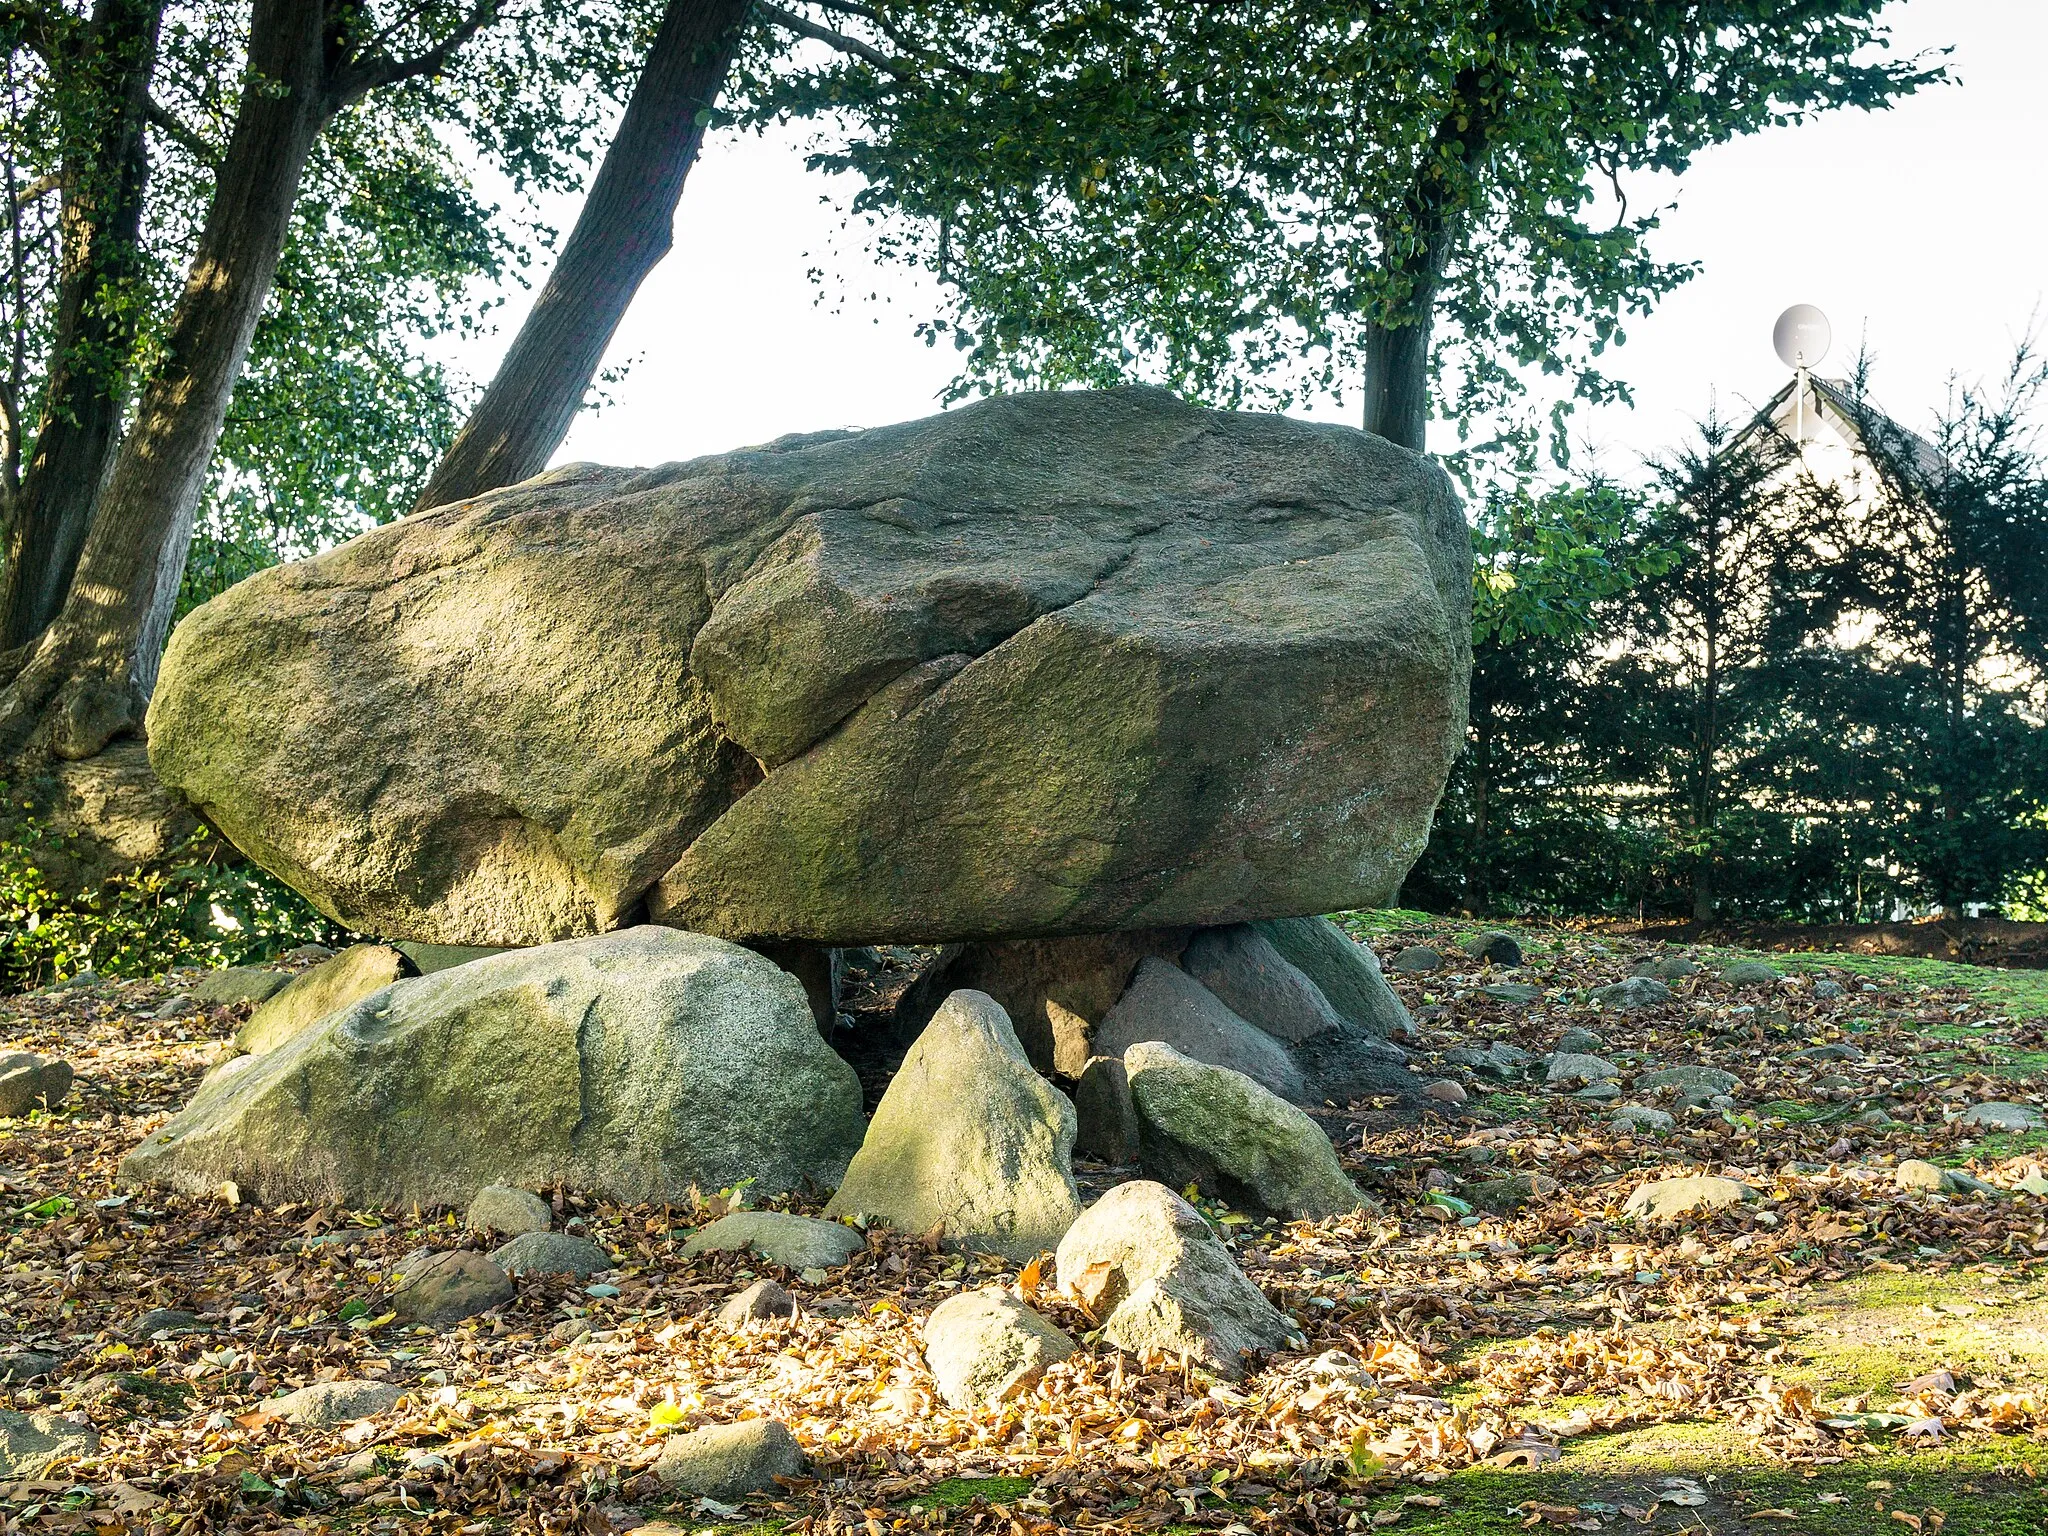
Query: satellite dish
column 1801, row 336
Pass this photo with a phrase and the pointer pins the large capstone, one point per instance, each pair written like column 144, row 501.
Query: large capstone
column 1048, row 664
column 636, row 1064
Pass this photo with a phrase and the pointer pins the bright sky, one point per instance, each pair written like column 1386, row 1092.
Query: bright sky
column 1924, row 228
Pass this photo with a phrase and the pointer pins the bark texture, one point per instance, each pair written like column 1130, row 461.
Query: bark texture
column 105, row 168
column 625, row 228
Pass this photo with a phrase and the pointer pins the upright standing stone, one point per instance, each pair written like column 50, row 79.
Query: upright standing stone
column 1165, row 1003
column 968, row 1140
column 1344, row 971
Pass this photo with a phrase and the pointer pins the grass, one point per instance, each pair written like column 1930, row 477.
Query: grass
column 2017, row 994
column 1988, row 1489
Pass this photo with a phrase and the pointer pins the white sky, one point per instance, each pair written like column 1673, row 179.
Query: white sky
column 1924, row 228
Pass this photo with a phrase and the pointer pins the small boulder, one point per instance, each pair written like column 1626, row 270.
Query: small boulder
column 1495, row 947
column 1643, row 1117
column 29, row 1081
column 757, row 1303
column 969, row 1140
column 508, row 1212
column 1445, row 1091
column 1217, row 1129
column 1599, row 1093
column 1666, row 967
column 1580, row 1042
column 1691, row 1081
column 1106, row 1120
column 1636, row 992
column 794, row 1242
column 1418, row 960
column 1920, row 1177
column 1344, row 971
column 241, row 984
column 327, row 988
column 986, row 1347
column 1572, row 1067
column 1514, row 993
column 1751, row 973
column 1829, row 988
column 729, row 1461
column 552, row 1253
column 33, row 1444
column 1664, row 1199
column 334, row 1402
column 1997, row 1115
column 1165, row 1003
column 1144, row 1261
column 442, row 1289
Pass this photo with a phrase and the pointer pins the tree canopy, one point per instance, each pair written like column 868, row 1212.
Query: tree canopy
column 1253, row 200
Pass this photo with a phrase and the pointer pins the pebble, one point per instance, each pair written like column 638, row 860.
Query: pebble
column 1417, row 959
column 508, row 1212
column 552, row 1253
column 762, row 1299
column 1445, row 1091
column 1642, row 1117
column 1571, row 1067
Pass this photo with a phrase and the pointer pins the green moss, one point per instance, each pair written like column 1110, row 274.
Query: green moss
column 955, row 1491
column 2003, row 1144
column 1365, row 925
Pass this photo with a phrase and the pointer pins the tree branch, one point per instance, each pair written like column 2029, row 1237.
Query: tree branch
column 379, row 70
column 29, row 191
column 41, row 31
column 174, row 128
column 790, row 21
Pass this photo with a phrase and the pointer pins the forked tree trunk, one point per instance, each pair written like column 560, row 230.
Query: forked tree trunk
column 89, row 678
column 105, row 167
column 625, row 228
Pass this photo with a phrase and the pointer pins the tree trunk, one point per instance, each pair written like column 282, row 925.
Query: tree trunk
column 1397, row 380
column 105, row 166
column 625, row 228
column 1415, row 248
column 90, row 676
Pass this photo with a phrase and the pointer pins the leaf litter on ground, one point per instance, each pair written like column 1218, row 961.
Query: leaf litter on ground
column 1438, row 1336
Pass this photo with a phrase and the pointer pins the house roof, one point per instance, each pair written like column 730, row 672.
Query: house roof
column 1834, row 402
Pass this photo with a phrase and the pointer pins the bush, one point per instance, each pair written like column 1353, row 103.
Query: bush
column 202, row 906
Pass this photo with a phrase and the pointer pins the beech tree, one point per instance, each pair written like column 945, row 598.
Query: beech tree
column 110, row 443
column 624, row 229
column 1249, row 199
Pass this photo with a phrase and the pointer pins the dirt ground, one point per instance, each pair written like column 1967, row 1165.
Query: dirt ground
column 1837, row 1355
